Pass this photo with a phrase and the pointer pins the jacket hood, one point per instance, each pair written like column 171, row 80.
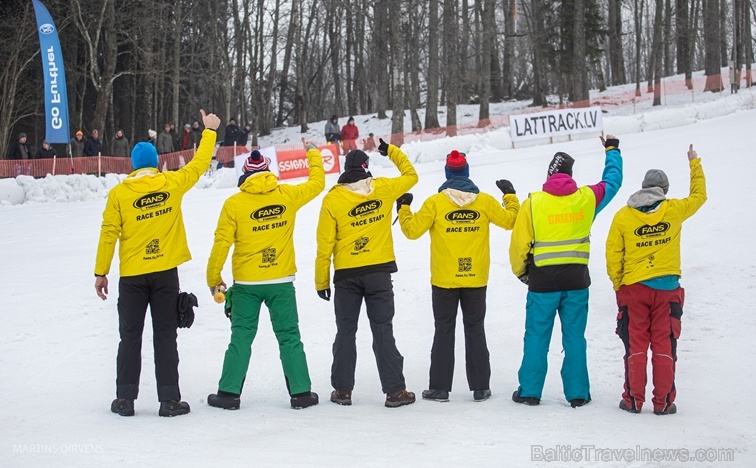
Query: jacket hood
column 359, row 190
column 145, row 180
column 261, row 182
column 560, row 184
column 646, row 197
column 463, row 184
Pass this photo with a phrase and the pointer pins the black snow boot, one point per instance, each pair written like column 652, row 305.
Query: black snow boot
column 671, row 409
column 173, row 408
column 481, row 395
column 436, row 395
column 123, row 407
column 224, row 400
column 528, row 400
column 578, row 402
column 623, row 406
column 304, row 400
column 399, row 398
column 340, row 397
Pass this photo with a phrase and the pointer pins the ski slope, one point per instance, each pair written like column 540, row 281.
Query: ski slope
column 58, row 341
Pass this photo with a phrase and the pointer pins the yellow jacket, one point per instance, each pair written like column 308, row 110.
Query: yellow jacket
column 641, row 246
column 259, row 222
column 355, row 229
column 143, row 213
column 459, row 233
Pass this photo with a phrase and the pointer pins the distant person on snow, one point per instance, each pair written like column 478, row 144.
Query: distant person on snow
column 76, row 145
column 143, row 214
column 460, row 262
column 165, row 140
column 45, row 152
column 232, row 133
column 121, row 146
column 263, row 269
column 332, row 130
column 349, row 135
column 643, row 262
column 549, row 252
column 369, row 143
column 93, row 146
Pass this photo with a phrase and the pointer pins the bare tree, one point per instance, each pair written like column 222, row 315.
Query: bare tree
column 616, row 55
column 711, row 23
column 431, row 106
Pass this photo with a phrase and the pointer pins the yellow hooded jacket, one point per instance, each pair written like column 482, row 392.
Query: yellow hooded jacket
column 459, row 233
column 641, row 246
column 355, row 229
column 259, row 222
column 143, row 213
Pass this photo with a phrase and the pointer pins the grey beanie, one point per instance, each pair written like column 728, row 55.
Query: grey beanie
column 656, row 178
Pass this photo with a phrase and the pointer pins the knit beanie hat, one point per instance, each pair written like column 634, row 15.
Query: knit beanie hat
column 356, row 160
column 562, row 163
column 256, row 162
column 456, row 165
column 151, row 133
column 656, row 178
column 144, row 155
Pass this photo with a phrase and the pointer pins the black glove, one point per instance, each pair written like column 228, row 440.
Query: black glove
column 405, row 199
column 325, row 294
column 612, row 142
column 505, row 186
column 383, row 147
column 523, row 278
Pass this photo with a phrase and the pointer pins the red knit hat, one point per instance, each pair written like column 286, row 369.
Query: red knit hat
column 456, row 165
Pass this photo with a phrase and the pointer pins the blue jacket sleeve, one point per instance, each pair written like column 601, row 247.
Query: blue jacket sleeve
column 611, row 178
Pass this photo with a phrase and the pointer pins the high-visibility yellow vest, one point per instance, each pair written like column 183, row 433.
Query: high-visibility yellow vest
column 562, row 227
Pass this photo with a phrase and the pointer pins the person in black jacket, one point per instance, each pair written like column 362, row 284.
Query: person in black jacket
column 232, row 133
column 45, row 152
column 93, row 146
column 20, row 149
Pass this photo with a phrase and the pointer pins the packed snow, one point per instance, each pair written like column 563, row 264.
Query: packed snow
column 58, row 341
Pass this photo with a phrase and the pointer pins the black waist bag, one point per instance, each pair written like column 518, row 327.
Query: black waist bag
column 186, row 304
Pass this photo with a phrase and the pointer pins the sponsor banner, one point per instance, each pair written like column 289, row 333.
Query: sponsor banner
column 267, row 152
column 293, row 163
column 559, row 122
column 56, row 97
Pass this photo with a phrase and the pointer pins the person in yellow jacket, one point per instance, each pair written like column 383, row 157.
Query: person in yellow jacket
column 259, row 222
column 143, row 214
column 643, row 262
column 458, row 218
column 354, row 229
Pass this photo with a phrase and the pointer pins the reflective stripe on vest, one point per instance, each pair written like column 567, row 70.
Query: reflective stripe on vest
column 562, row 227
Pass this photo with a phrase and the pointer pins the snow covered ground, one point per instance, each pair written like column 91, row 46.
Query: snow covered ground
column 58, row 340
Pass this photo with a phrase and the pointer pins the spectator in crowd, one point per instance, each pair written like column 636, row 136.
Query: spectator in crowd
column 175, row 137
column 165, row 140
column 143, row 215
column 121, row 146
column 197, row 132
column 46, row 152
column 93, row 146
column 349, row 135
column 232, row 134
column 152, row 137
column 20, row 148
column 244, row 135
column 369, row 143
column 189, row 138
column 76, row 146
column 332, row 130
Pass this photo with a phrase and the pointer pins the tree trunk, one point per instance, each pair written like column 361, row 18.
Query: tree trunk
column 535, row 25
column 451, row 59
column 396, row 40
column 489, row 35
column 616, row 55
column 334, row 38
column 176, row 67
column 682, row 34
column 579, row 83
column 712, row 51
column 290, row 35
column 747, row 42
column 638, row 14
column 667, row 37
column 431, row 107
column 657, row 50
column 509, row 48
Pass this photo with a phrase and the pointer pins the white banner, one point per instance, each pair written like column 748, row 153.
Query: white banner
column 558, row 122
column 268, row 151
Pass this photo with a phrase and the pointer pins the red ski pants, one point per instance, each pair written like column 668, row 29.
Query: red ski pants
column 649, row 317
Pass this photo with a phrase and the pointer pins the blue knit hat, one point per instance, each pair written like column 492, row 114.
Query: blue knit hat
column 144, row 155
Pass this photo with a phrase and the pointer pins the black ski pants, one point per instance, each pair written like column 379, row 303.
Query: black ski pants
column 473, row 303
column 160, row 291
column 378, row 292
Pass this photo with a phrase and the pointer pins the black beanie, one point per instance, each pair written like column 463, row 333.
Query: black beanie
column 356, row 160
column 562, row 162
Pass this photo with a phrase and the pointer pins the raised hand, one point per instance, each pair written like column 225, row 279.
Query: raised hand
column 692, row 153
column 211, row 121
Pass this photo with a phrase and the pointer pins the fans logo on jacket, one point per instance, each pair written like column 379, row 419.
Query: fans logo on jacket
column 268, row 213
column 365, row 208
column 657, row 230
column 462, row 216
column 151, row 201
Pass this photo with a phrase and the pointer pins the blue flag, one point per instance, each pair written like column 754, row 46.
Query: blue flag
column 56, row 97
